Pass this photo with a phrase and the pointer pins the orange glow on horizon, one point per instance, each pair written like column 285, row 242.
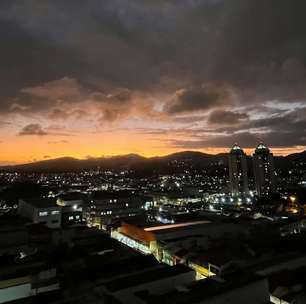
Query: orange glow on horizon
column 25, row 149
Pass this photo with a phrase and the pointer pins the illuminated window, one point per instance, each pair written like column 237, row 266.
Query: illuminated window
column 43, row 213
column 70, row 218
column 55, row 212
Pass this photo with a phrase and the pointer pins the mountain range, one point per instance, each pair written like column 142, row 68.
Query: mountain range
column 173, row 163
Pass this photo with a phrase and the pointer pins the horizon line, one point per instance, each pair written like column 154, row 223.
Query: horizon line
column 12, row 164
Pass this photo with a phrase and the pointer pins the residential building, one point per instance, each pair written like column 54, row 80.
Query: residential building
column 264, row 170
column 238, row 173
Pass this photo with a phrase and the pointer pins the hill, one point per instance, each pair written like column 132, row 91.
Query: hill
column 172, row 163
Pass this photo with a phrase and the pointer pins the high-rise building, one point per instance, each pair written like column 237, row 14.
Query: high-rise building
column 238, row 172
column 264, row 170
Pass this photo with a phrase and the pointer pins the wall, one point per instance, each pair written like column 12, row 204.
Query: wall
column 15, row 289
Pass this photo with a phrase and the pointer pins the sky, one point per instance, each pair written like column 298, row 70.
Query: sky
column 95, row 78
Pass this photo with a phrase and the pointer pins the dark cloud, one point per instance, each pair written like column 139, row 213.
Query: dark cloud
column 197, row 99
column 121, row 43
column 222, row 117
column 57, row 56
column 60, row 114
column 32, row 129
column 283, row 130
column 190, row 119
column 245, row 139
column 56, row 93
column 37, row 129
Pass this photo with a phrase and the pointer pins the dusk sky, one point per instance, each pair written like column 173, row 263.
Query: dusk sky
column 104, row 77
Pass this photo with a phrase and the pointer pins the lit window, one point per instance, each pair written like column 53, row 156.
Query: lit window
column 55, row 212
column 70, row 218
column 43, row 213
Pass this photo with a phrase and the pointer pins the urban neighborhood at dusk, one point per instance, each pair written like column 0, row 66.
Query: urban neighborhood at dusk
column 153, row 151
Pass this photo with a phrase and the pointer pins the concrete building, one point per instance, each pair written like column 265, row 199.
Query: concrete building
column 27, row 280
column 238, row 173
column 170, row 243
column 107, row 207
column 72, row 207
column 41, row 210
column 264, row 170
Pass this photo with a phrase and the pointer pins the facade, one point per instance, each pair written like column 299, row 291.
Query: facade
column 105, row 208
column 170, row 244
column 238, row 173
column 18, row 287
column 264, row 170
column 72, row 207
column 41, row 210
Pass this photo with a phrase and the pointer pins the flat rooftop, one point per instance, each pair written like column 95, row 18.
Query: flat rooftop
column 42, row 202
column 173, row 226
column 159, row 272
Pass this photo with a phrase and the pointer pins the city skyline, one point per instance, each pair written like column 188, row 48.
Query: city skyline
column 86, row 79
column 153, row 151
column 248, row 152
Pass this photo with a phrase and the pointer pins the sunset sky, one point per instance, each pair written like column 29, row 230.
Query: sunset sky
column 104, row 77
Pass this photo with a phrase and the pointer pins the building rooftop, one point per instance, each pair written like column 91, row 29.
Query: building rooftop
column 41, row 202
column 261, row 148
column 236, row 150
column 159, row 272
column 101, row 268
column 160, row 228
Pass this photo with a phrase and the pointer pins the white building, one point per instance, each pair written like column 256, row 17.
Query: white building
column 41, row 210
column 19, row 287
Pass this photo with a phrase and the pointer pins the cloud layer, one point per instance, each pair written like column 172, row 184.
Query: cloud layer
column 220, row 71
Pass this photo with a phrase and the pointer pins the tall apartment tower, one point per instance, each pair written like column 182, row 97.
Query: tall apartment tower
column 264, row 170
column 238, row 172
